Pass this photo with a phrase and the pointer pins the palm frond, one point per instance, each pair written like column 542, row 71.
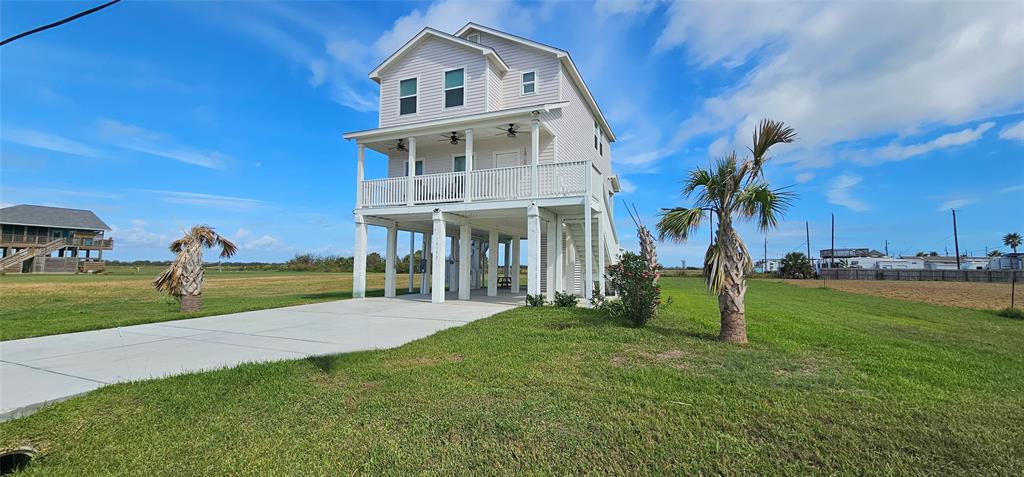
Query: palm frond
column 767, row 134
column 758, row 200
column 227, row 247
column 676, row 223
column 714, row 269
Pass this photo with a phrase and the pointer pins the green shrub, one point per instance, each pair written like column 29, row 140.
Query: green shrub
column 1015, row 313
column 535, row 300
column 635, row 283
column 565, row 300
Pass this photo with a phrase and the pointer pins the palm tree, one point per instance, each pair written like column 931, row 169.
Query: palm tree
column 731, row 189
column 1012, row 240
column 184, row 278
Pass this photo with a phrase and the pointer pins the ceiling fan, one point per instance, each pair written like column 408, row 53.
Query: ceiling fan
column 511, row 131
column 400, row 146
column 452, row 138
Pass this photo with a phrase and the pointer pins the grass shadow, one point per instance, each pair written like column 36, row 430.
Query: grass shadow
column 677, row 332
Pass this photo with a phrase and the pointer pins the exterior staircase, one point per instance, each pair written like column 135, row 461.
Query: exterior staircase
column 577, row 275
column 13, row 263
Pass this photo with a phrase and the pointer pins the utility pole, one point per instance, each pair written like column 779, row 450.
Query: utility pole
column 887, row 248
column 832, row 256
column 765, row 267
column 956, row 241
column 807, row 229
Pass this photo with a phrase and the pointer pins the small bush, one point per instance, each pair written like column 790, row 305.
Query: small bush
column 634, row 279
column 565, row 300
column 535, row 300
column 1015, row 313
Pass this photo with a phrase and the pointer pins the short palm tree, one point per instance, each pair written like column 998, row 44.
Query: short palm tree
column 184, row 278
column 731, row 189
column 1012, row 240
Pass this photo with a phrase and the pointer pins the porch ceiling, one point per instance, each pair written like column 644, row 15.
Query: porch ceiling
column 509, row 222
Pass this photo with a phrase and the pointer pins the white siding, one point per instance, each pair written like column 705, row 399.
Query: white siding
column 494, row 99
column 437, row 157
column 427, row 62
column 574, row 127
column 521, row 58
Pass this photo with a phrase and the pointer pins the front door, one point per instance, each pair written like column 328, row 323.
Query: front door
column 506, row 159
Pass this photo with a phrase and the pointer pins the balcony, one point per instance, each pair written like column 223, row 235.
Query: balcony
column 24, row 240
column 562, row 179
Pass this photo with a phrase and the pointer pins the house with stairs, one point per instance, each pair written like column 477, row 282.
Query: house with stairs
column 488, row 143
column 41, row 239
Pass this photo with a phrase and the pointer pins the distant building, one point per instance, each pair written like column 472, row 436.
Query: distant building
column 774, row 264
column 1009, row 261
column 849, row 253
column 31, row 234
column 950, row 263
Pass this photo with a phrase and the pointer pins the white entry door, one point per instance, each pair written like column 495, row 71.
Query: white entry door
column 506, row 159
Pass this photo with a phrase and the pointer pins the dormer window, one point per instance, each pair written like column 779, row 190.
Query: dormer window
column 529, row 82
column 407, row 96
column 454, row 88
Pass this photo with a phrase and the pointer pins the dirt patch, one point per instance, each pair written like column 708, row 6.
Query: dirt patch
column 986, row 296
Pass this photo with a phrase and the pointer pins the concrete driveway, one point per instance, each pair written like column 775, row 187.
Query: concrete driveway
column 37, row 371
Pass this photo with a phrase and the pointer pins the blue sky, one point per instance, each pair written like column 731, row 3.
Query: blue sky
column 161, row 115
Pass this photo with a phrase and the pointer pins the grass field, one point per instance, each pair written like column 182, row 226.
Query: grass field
column 37, row 305
column 990, row 296
column 831, row 383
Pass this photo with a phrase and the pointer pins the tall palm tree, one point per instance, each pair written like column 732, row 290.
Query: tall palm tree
column 184, row 278
column 731, row 189
column 1012, row 240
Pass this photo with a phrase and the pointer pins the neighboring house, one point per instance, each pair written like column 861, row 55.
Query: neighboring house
column 489, row 139
column 849, row 253
column 32, row 233
column 774, row 264
column 950, row 263
column 1007, row 261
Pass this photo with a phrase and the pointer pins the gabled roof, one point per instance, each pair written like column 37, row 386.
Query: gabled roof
column 42, row 216
column 562, row 55
column 428, row 32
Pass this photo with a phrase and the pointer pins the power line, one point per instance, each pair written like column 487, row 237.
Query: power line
column 58, row 22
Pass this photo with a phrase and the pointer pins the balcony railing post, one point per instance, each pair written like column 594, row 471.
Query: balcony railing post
column 410, row 192
column 534, row 155
column 468, row 188
column 360, row 162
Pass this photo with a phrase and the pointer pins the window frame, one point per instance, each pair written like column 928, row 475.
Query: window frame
column 445, row 89
column 400, row 97
column 421, row 162
column 470, row 37
column 523, row 83
column 464, row 163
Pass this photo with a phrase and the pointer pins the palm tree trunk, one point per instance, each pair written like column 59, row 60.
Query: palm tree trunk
column 730, row 299
column 192, row 278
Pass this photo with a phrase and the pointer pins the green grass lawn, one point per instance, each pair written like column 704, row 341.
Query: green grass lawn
column 831, row 383
column 39, row 304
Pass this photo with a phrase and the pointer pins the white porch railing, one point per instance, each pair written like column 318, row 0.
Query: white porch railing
column 562, row 179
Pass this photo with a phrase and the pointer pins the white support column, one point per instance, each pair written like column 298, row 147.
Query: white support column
column 508, row 267
column 425, row 278
column 410, row 192
column 453, row 276
column 559, row 254
column 469, row 166
column 600, row 252
column 412, row 260
column 360, row 172
column 478, row 263
column 492, row 263
column 359, row 259
column 390, row 258
column 465, row 239
column 439, row 239
column 516, row 241
column 588, row 251
column 550, row 271
column 534, row 156
column 533, row 250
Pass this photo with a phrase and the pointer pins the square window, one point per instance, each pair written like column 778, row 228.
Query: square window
column 453, row 98
column 408, row 105
column 407, row 87
column 454, row 78
column 529, row 77
column 459, row 164
column 528, row 88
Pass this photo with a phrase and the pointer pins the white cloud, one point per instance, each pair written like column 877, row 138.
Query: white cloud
column 138, row 233
column 138, row 139
column 905, row 66
column 50, row 142
column 955, row 203
column 223, row 202
column 899, row 152
column 450, row 15
column 628, row 187
column 804, row 177
column 264, row 242
column 1007, row 190
column 1014, row 132
column 841, row 193
column 624, row 7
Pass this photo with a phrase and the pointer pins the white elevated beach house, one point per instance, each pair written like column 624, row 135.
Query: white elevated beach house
column 490, row 139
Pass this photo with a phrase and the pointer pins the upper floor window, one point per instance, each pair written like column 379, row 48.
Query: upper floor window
column 407, row 96
column 601, row 143
column 418, row 166
column 596, row 135
column 529, row 82
column 459, row 164
column 454, row 88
